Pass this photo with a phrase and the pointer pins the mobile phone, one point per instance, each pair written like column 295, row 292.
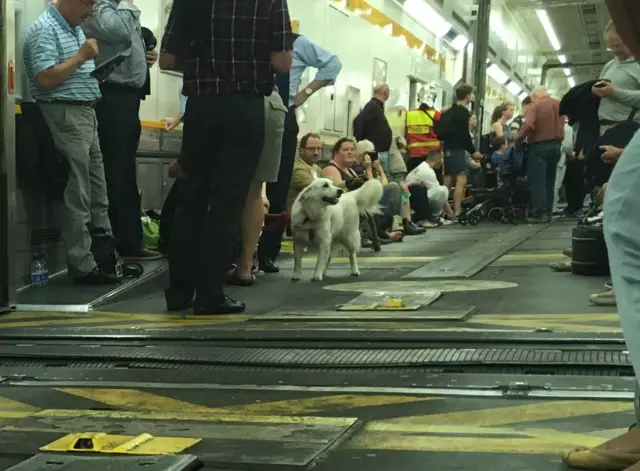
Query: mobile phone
column 601, row 84
column 373, row 156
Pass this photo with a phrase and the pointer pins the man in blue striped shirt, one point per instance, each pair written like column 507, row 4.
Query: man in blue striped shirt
column 117, row 26
column 59, row 60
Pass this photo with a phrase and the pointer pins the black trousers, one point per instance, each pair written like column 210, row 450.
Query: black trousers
column 119, row 131
column 420, row 203
column 574, row 185
column 271, row 241
column 221, row 144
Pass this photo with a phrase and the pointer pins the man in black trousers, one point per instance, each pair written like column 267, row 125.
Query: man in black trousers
column 223, row 133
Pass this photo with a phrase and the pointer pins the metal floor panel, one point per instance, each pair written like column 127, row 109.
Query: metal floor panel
column 469, row 261
column 53, row 462
column 316, row 357
column 61, row 295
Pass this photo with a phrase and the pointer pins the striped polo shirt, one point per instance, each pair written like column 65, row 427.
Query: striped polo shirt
column 51, row 41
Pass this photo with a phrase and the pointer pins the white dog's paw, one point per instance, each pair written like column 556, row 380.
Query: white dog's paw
column 316, row 278
column 295, row 278
column 355, row 273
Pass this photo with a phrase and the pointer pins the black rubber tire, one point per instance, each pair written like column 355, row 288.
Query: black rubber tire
column 589, row 249
column 495, row 214
column 474, row 219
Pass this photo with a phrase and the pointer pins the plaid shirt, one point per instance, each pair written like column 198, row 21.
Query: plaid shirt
column 225, row 46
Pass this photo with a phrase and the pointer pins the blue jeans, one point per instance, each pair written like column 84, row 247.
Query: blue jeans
column 543, row 159
column 622, row 234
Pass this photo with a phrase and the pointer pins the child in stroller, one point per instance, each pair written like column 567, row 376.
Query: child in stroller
column 506, row 196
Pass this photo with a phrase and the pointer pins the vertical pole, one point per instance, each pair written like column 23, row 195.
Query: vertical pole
column 479, row 61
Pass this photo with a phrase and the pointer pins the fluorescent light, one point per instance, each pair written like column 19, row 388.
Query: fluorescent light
column 424, row 14
column 513, row 88
column 497, row 74
column 523, row 95
column 572, row 82
column 548, row 28
column 563, row 60
column 459, row 42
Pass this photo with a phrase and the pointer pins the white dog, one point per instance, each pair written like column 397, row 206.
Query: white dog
column 322, row 215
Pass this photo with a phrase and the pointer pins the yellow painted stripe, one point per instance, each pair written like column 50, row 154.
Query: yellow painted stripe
column 9, row 405
column 189, row 416
column 515, row 414
column 133, row 399
column 550, row 445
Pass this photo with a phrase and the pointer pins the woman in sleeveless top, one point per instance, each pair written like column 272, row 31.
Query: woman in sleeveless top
column 343, row 175
column 499, row 127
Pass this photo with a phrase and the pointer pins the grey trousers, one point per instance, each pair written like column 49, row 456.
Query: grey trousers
column 75, row 134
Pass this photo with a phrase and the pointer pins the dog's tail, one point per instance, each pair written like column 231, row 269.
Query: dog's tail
column 368, row 196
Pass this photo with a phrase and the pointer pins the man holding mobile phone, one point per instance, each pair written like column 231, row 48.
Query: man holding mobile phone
column 619, row 85
column 116, row 25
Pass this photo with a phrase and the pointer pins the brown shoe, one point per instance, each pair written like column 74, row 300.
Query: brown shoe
column 617, row 454
column 568, row 252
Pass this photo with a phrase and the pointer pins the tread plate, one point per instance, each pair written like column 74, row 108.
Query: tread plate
column 307, row 357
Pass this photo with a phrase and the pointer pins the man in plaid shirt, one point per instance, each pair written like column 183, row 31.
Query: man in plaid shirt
column 227, row 52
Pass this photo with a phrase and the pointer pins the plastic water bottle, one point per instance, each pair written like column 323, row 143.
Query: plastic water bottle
column 36, row 271
column 44, row 272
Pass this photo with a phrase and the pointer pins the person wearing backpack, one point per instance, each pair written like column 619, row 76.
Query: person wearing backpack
column 453, row 130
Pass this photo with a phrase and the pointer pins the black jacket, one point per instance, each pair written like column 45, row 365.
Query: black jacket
column 372, row 124
column 150, row 42
column 40, row 163
column 581, row 106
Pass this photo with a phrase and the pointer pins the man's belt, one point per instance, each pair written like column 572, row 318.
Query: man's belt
column 86, row 104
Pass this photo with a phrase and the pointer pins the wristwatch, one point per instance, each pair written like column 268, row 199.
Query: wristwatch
column 308, row 92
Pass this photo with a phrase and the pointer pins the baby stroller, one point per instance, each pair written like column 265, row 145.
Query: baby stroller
column 507, row 201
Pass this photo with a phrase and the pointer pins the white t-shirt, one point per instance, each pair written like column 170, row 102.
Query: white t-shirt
column 425, row 174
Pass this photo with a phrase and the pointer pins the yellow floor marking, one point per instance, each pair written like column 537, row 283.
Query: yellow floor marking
column 549, row 445
column 178, row 323
column 132, row 399
column 557, row 322
column 393, row 259
column 9, row 405
column 323, row 403
column 187, row 416
column 516, row 414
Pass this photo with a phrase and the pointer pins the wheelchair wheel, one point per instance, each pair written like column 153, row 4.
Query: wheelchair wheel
column 462, row 220
column 495, row 214
column 474, row 219
column 514, row 215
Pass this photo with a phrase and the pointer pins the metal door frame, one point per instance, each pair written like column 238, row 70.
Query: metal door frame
column 7, row 158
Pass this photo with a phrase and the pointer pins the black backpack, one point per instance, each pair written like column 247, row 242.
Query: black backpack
column 103, row 248
column 443, row 127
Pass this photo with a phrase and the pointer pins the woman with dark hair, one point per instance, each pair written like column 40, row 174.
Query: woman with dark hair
column 499, row 127
column 341, row 171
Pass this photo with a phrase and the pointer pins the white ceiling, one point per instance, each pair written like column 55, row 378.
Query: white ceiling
column 578, row 24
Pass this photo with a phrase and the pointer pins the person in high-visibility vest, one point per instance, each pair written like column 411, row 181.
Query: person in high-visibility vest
column 421, row 137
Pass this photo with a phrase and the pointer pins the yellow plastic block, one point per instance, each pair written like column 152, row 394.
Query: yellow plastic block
column 394, row 303
column 144, row 444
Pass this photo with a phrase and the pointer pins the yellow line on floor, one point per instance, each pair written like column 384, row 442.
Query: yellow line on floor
column 417, row 258
column 133, row 399
column 551, row 444
column 187, row 416
column 10, row 405
column 559, row 322
column 536, row 412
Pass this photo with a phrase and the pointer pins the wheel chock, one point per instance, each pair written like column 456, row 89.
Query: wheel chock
column 143, row 444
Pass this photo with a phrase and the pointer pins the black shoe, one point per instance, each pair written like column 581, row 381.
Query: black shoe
column 178, row 300
column 226, row 305
column 269, row 266
column 97, row 277
column 411, row 229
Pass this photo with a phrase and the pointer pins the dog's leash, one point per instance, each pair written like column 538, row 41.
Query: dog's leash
column 273, row 221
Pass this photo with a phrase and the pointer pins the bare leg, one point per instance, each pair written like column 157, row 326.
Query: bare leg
column 252, row 222
column 458, row 194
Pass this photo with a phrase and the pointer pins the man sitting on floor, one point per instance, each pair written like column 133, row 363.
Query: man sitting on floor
column 437, row 195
